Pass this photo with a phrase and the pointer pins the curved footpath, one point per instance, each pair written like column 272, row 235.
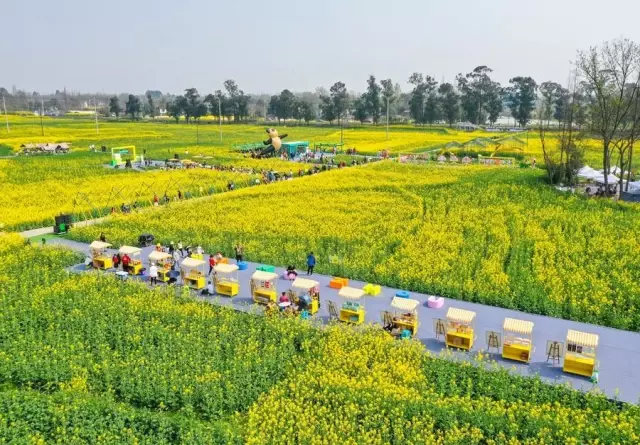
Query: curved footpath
column 618, row 351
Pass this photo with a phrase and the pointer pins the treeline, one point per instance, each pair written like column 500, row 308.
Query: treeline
column 474, row 97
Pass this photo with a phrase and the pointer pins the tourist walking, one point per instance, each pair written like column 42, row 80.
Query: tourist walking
column 311, row 263
column 153, row 274
column 239, row 252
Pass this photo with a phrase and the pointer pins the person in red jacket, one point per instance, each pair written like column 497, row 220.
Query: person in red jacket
column 126, row 260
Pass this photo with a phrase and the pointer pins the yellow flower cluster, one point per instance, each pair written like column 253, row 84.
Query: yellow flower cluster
column 365, row 388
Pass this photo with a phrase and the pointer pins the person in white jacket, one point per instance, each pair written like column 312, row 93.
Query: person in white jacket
column 153, row 274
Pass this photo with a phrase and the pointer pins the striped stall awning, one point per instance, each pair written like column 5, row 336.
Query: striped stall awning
column 460, row 315
column 518, row 326
column 404, row 304
column 583, row 338
column 350, row 293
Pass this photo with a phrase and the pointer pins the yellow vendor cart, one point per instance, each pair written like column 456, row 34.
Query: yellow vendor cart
column 404, row 317
column 306, row 294
column 99, row 257
column 580, row 353
column 263, row 287
column 163, row 261
column 460, row 331
column 352, row 311
column 517, row 343
column 226, row 279
column 193, row 273
column 135, row 266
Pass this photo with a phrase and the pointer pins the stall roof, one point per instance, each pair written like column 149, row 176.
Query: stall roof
column 518, row 326
column 583, row 338
column 460, row 315
column 157, row 256
column 350, row 293
column 225, row 268
column 264, row 276
column 192, row 262
column 129, row 250
column 404, row 304
column 99, row 245
column 303, row 283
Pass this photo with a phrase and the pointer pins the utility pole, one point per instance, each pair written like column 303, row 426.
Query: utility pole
column 41, row 114
column 387, row 117
column 6, row 118
column 220, row 116
column 341, row 132
column 95, row 111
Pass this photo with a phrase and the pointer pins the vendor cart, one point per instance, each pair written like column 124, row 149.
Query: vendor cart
column 352, row 311
column 226, row 279
column 460, row 329
column 193, row 273
column 135, row 265
column 99, row 257
column 163, row 261
column 264, row 287
column 305, row 294
column 580, row 353
column 517, row 340
column 404, row 318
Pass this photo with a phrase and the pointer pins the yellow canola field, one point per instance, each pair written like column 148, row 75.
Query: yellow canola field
column 497, row 236
column 163, row 139
column 34, row 190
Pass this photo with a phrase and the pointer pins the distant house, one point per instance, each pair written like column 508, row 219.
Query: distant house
column 465, row 126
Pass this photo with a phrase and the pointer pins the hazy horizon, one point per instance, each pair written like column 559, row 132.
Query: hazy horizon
column 138, row 46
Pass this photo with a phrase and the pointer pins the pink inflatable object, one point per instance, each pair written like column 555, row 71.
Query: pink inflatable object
column 435, row 302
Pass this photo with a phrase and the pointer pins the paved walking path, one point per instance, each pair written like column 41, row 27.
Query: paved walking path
column 618, row 352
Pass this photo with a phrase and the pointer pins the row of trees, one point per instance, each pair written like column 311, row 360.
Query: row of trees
column 604, row 93
column 287, row 105
column 232, row 103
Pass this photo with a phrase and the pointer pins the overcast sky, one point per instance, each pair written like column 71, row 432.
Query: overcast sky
column 135, row 45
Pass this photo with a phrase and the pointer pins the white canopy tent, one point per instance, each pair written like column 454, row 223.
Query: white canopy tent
column 611, row 179
column 587, row 172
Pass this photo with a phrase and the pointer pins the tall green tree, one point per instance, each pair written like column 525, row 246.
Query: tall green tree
column 114, row 106
column 133, row 106
column 449, row 103
column 306, row 111
column 273, row 106
column 431, row 109
column 177, row 107
column 336, row 104
column 521, row 97
column 216, row 103
column 495, row 102
column 423, row 87
column 193, row 100
column 361, row 109
column 238, row 101
column 550, row 95
column 328, row 109
column 151, row 106
column 286, row 104
column 476, row 89
column 389, row 96
column 561, row 104
column 372, row 99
